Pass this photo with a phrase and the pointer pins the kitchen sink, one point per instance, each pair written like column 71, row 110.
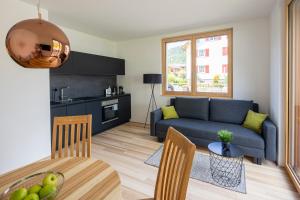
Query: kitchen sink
column 61, row 101
column 70, row 100
column 83, row 98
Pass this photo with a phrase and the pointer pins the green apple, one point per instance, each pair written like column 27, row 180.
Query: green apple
column 47, row 191
column 19, row 194
column 34, row 189
column 32, row 196
column 50, row 179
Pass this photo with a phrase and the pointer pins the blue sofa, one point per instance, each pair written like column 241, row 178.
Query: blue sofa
column 201, row 118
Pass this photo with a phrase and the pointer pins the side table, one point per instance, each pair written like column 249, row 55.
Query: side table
column 226, row 163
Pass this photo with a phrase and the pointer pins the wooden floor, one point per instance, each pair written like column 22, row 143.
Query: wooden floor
column 126, row 147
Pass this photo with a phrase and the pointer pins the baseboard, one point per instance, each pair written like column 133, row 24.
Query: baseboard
column 138, row 124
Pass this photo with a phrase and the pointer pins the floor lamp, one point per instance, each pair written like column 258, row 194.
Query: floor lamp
column 151, row 79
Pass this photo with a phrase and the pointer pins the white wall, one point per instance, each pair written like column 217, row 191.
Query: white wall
column 83, row 42
column 251, row 59
column 24, row 101
column 277, row 74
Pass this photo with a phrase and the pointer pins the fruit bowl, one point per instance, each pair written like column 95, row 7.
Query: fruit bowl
column 33, row 180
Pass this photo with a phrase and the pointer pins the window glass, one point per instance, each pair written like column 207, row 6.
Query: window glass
column 212, row 75
column 178, row 66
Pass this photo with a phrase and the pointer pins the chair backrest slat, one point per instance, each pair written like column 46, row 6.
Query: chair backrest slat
column 89, row 139
column 60, row 128
column 80, row 132
column 54, row 138
column 174, row 171
column 66, row 139
column 78, row 139
column 83, row 139
column 72, row 140
column 175, row 167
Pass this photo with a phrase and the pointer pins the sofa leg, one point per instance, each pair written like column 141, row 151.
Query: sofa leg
column 257, row 161
column 160, row 139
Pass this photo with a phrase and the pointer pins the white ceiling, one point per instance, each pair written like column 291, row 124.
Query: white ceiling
column 127, row 19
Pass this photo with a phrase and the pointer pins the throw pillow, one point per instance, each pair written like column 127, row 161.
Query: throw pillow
column 254, row 121
column 169, row 112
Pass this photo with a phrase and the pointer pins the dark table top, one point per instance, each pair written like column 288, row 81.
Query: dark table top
column 232, row 152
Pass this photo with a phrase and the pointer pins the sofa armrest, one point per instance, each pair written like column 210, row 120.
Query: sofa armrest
column 269, row 133
column 155, row 116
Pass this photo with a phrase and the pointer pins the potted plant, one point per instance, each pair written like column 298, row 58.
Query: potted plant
column 225, row 137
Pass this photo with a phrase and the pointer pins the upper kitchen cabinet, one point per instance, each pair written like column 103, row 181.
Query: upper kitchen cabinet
column 89, row 64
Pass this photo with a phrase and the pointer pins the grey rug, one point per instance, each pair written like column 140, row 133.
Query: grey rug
column 200, row 170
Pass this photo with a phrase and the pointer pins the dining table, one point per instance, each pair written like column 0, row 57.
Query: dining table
column 84, row 178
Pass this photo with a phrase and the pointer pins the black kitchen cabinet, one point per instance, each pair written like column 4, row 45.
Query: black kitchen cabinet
column 57, row 112
column 94, row 108
column 124, row 108
column 88, row 64
column 76, row 109
column 84, row 108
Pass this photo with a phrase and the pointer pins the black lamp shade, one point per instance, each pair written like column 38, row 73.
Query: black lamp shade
column 152, row 78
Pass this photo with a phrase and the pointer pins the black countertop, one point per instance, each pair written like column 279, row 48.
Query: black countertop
column 85, row 99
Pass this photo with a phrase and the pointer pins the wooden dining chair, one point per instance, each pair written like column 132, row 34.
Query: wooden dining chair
column 75, row 131
column 175, row 167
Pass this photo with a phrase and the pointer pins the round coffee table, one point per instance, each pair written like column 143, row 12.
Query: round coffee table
column 225, row 164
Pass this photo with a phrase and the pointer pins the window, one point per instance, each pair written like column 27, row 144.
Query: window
column 203, row 68
column 225, row 51
column 203, row 52
column 178, row 66
column 293, row 93
column 198, row 64
column 225, row 68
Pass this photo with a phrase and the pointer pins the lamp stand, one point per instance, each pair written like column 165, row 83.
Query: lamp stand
column 152, row 103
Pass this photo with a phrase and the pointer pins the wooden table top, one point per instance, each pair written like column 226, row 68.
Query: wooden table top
column 85, row 178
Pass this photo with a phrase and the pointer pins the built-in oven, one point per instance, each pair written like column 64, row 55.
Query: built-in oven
column 109, row 110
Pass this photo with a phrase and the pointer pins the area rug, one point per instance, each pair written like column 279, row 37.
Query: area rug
column 200, row 170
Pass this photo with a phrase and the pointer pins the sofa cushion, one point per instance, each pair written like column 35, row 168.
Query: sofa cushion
column 196, row 108
column 208, row 130
column 254, row 121
column 169, row 112
column 229, row 111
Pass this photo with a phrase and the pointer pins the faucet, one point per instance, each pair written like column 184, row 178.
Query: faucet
column 62, row 97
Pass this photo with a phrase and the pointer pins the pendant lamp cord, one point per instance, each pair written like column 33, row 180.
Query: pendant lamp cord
column 39, row 9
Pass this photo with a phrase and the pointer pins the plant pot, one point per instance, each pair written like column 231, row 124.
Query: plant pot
column 225, row 146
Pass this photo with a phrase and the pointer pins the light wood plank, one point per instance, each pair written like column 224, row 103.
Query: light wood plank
column 85, row 178
column 126, row 147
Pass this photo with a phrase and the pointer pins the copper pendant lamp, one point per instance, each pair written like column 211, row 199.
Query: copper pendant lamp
column 36, row 43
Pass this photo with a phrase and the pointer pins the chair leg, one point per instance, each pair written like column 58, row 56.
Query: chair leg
column 160, row 139
column 257, row 161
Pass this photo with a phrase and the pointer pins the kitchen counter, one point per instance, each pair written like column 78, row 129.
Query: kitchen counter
column 85, row 99
column 93, row 106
